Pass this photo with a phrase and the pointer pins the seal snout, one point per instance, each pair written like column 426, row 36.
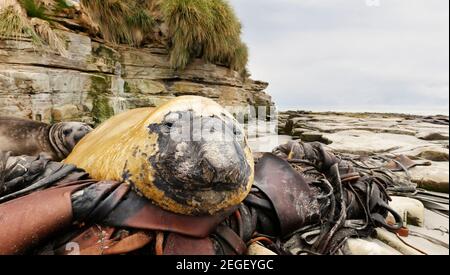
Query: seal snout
column 75, row 131
column 222, row 165
column 82, row 131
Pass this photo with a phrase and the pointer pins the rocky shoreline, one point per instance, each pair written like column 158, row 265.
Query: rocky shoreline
column 362, row 136
column 424, row 139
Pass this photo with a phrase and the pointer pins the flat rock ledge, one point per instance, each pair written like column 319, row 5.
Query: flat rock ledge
column 418, row 137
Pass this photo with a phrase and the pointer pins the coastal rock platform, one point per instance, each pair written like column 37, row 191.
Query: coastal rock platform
column 423, row 139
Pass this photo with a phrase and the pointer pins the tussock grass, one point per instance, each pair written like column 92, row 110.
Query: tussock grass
column 110, row 17
column 34, row 9
column 140, row 23
column 61, row 5
column 119, row 21
column 47, row 34
column 140, row 19
column 239, row 59
column 14, row 24
column 190, row 23
column 208, row 29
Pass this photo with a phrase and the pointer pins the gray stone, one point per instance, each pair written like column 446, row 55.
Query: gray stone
column 429, row 152
column 297, row 132
column 257, row 249
column 365, row 143
column 410, row 208
column 367, row 247
column 433, row 136
column 312, row 136
column 433, row 178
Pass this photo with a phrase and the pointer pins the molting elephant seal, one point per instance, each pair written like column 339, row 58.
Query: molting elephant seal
column 32, row 138
column 189, row 156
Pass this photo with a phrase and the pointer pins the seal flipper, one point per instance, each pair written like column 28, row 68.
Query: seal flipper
column 26, row 174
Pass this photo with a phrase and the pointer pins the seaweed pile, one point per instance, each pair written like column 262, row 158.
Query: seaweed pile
column 305, row 200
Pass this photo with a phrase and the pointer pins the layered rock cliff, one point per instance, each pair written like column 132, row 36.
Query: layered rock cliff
column 96, row 81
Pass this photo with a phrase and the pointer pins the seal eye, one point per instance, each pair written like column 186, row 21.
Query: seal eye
column 67, row 132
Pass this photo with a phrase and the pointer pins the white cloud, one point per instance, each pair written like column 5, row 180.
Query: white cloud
column 340, row 53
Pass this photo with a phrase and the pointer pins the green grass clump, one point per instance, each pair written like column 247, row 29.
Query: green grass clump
column 34, row 9
column 190, row 23
column 120, row 21
column 52, row 39
column 239, row 59
column 16, row 26
column 208, row 29
column 61, row 5
column 141, row 19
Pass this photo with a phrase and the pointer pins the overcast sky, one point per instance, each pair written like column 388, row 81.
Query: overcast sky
column 374, row 55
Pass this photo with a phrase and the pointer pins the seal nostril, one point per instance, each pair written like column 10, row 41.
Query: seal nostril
column 222, row 173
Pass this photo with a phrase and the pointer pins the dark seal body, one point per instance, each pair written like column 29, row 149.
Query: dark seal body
column 27, row 137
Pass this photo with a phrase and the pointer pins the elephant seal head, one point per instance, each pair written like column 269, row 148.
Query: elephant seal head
column 189, row 156
column 64, row 136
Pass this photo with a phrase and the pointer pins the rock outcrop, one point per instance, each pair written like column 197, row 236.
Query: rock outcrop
column 96, row 80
